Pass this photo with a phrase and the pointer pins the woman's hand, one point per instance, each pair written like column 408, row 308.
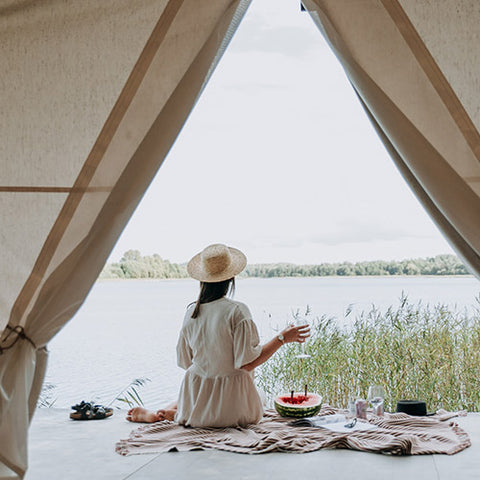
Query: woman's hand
column 290, row 334
column 296, row 333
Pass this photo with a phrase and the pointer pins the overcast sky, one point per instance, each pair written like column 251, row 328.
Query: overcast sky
column 278, row 159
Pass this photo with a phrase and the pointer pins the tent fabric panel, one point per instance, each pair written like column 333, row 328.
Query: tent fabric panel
column 438, row 77
column 475, row 186
column 78, row 225
column 449, row 30
column 374, row 41
column 16, row 377
column 181, row 49
column 64, row 65
column 185, row 38
column 81, row 186
column 465, row 252
column 26, row 220
column 445, row 187
column 89, row 254
column 56, row 297
column 407, row 109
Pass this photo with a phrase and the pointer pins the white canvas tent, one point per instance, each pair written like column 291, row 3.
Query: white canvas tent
column 95, row 93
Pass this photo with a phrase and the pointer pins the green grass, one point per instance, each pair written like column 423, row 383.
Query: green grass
column 415, row 351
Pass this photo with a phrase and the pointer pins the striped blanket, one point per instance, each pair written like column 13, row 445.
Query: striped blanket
column 397, row 434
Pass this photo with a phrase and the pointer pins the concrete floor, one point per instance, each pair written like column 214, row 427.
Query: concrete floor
column 60, row 448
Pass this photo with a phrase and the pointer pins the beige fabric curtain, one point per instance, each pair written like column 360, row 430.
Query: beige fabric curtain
column 416, row 69
column 94, row 94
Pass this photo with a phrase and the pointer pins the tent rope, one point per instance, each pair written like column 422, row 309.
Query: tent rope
column 20, row 331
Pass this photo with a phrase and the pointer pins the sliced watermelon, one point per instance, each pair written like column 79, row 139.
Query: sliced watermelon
column 300, row 405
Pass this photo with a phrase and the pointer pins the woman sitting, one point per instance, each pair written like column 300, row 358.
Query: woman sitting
column 219, row 348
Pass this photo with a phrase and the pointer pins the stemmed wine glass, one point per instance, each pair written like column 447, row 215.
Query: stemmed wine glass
column 302, row 320
column 376, row 397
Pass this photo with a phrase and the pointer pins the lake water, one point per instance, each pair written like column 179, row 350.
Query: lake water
column 128, row 329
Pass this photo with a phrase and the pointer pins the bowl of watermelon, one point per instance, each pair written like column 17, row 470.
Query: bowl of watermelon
column 298, row 405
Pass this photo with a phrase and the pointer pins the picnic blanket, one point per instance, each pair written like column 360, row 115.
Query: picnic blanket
column 397, row 434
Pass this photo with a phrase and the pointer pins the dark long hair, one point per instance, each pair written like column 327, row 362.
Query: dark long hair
column 213, row 291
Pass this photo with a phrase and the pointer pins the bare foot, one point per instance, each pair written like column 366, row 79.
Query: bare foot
column 142, row 415
column 167, row 414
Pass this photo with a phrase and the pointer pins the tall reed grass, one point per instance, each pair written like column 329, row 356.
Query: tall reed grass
column 415, row 351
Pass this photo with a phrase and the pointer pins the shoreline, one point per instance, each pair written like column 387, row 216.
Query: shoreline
column 239, row 278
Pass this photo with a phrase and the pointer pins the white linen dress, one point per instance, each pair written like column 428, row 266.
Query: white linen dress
column 215, row 391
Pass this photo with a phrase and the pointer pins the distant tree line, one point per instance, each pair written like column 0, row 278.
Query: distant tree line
column 439, row 265
column 134, row 265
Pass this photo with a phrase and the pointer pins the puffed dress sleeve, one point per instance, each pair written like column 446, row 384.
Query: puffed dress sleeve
column 246, row 342
column 184, row 352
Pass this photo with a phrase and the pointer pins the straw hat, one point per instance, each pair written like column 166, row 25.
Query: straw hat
column 216, row 263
